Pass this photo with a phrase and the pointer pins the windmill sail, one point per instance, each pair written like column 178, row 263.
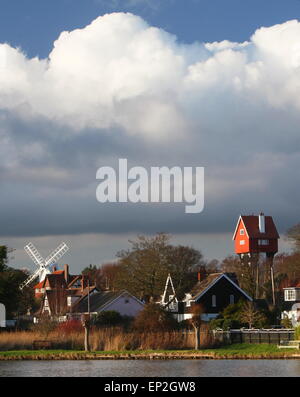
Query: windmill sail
column 34, row 254
column 44, row 265
column 30, row 279
column 56, row 254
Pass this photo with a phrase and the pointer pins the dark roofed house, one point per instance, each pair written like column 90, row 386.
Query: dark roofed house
column 214, row 292
column 98, row 301
column 255, row 234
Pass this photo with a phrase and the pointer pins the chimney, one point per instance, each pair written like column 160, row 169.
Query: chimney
column 261, row 223
column 201, row 274
column 66, row 271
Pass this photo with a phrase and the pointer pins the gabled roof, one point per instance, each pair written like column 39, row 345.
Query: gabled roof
column 251, row 223
column 202, row 287
column 56, row 280
column 99, row 300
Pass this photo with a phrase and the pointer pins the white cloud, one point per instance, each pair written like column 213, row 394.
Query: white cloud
column 120, row 87
column 118, row 71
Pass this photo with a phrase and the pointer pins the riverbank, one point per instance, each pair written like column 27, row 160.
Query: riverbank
column 237, row 351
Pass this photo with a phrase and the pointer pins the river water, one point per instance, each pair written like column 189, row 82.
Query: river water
column 140, row 368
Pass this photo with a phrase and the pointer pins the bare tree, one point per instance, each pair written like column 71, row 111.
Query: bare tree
column 250, row 315
column 196, row 321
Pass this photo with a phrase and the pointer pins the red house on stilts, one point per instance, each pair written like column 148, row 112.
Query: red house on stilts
column 255, row 234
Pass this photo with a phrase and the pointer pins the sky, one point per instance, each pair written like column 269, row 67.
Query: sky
column 213, row 84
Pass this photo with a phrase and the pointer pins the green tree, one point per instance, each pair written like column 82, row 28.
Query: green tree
column 3, row 258
column 91, row 272
column 16, row 302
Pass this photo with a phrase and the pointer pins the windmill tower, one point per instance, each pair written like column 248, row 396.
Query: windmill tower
column 44, row 265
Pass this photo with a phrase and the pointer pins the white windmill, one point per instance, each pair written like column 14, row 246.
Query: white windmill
column 43, row 264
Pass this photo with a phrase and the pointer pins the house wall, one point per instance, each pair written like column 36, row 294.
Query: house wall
column 270, row 248
column 222, row 290
column 293, row 314
column 125, row 305
column 241, row 248
column 2, row 316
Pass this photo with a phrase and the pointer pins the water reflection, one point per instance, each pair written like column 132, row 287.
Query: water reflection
column 174, row 368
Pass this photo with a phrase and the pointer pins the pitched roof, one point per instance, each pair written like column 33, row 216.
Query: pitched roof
column 98, row 300
column 56, row 280
column 251, row 223
column 203, row 286
column 39, row 285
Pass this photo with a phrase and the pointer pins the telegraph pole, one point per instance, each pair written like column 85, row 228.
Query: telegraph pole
column 87, row 323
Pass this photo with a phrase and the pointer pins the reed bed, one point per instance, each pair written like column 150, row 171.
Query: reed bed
column 106, row 339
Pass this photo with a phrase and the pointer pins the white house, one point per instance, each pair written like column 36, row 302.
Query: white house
column 292, row 305
column 100, row 301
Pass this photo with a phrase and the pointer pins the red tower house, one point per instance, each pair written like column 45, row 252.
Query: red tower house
column 254, row 235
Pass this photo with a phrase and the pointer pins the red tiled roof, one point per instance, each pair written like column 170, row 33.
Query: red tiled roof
column 58, row 272
column 251, row 223
column 39, row 285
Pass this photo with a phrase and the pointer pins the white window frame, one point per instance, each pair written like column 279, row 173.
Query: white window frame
column 242, row 232
column 242, row 242
column 290, row 295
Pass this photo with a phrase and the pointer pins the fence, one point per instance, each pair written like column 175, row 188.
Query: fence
column 271, row 336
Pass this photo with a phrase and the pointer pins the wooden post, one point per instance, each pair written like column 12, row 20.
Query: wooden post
column 87, row 323
column 273, row 285
column 197, row 337
column 257, row 281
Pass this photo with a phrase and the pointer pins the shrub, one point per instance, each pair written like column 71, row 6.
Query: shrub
column 70, row 326
column 297, row 333
column 286, row 322
column 154, row 318
column 45, row 326
column 110, row 318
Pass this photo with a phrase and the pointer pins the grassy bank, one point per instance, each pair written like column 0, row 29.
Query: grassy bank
column 237, row 351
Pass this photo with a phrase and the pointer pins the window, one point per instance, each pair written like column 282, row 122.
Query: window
column 231, row 299
column 242, row 242
column 214, row 301
column 290, row 295
column 263, row 242
column 242, row 232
